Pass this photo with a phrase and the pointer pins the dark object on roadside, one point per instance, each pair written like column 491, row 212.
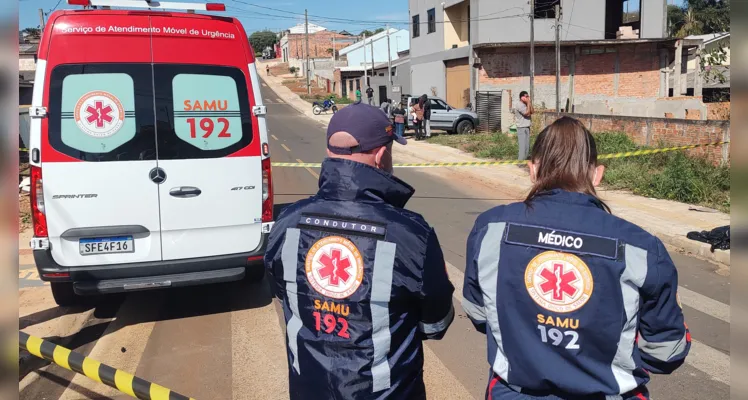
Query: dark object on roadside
column 719, row 238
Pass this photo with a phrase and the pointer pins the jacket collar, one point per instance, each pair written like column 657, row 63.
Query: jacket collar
column 353, row 181
column 562, row 196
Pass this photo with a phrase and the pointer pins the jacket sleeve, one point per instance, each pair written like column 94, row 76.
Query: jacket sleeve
column 436, row 291
column 274, row 263
column 472, row 301
column 664, row 339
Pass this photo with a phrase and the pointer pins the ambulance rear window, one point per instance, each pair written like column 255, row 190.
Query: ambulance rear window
column 202, row 111
column 102, row 112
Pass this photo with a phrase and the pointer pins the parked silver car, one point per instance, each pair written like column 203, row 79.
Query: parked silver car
column 447, row 118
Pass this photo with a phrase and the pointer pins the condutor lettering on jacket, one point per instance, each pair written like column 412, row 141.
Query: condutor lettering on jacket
column 559, row 240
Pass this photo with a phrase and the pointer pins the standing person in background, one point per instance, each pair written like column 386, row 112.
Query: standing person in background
column 267, row 69
column 522, row 114
column 386, row 107
column 575, row 302
column 417, row 111
column 358, row 95
column 370, row 95
column 426, row 105
column 399, row 113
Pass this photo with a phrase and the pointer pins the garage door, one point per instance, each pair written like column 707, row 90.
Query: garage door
column 458, row 82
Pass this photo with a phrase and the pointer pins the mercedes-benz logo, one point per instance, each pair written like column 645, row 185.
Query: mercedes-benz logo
column 157, row 175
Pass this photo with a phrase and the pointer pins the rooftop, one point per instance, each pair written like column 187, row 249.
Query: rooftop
column 368, row 41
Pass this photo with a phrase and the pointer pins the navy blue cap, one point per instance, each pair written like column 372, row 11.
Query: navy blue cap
column 367, row 124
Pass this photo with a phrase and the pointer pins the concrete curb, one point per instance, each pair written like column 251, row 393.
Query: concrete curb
column 677, row 242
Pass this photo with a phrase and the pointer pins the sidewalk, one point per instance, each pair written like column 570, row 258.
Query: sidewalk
column 668, row 220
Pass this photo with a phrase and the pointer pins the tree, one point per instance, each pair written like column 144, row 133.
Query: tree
column 33, row 32
column 261, row 39
column 369, row 33
column 698, row 17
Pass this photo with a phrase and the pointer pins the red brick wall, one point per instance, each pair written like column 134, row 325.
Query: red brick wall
column 595, row 74
column 318, row 44
column 655, row 132
column 718, row 111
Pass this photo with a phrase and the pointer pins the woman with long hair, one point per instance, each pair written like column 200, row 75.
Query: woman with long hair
column 417, row 111
column 575, row 302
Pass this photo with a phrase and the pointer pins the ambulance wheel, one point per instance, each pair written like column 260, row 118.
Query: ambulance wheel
column 64, row 295
column 317, row 110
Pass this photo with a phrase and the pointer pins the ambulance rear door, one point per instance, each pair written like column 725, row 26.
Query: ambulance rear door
column 208, row 145
column 98, row 143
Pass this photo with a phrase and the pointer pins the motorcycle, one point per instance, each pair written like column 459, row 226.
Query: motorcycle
column 325, row 106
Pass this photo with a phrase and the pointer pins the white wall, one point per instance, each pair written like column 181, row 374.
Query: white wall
column 428, row 78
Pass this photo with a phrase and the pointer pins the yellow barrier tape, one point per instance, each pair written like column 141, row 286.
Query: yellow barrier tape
column 120, row 380
column 514, row 162
column 508, row 162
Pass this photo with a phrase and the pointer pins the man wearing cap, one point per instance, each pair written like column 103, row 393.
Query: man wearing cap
column 362, row 280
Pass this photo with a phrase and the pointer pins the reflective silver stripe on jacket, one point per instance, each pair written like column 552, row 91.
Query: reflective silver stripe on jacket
column 381, row 288
column 663, row 351
column 488, row 276
column 290, row 259
column 632, row 279
column 474, row 311
column 436, row 327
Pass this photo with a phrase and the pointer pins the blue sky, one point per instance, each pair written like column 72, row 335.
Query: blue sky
column 351, row 15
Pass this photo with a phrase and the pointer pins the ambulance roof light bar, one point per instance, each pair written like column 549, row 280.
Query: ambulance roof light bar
column 149, row 4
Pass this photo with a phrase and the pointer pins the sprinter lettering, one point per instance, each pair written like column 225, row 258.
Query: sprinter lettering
column 559, row 240
column 205, row 105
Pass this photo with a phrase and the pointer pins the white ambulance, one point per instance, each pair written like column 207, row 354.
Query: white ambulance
column 150, row 164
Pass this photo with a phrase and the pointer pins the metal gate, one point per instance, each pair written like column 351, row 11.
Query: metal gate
column 488, row 108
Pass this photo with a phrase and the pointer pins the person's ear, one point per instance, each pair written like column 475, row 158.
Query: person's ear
column 533, row 171
column 379, row 155
column 597, row 177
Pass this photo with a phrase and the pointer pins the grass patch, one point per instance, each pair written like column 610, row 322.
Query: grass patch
column 672, row 175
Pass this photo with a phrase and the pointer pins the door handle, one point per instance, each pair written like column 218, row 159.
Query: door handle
column 185, row 191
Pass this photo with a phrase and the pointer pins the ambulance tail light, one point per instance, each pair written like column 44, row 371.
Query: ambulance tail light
column 84, row 3
column 267, row 191
column 215, row 7
column 38, row 217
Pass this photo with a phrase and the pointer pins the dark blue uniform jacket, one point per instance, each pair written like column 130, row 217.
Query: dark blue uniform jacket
column 362, row 282
column 573, row 300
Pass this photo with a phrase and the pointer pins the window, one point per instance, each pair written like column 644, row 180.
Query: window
column 201, row 111
column 358, row 84
column 416, row 26
column 102, row 112
column 437, row 104
column 350, row 85
column 631, row 11
column 394, row 71
column 545, row 8
column 432, row 20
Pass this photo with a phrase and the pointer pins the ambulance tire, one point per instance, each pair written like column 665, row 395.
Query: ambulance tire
column 254, row 274
column 64, row 295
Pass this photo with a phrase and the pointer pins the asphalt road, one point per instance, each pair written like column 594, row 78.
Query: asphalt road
column 226, row 341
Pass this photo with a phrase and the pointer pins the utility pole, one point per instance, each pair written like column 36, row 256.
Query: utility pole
column 41, row 19
column 306, row 33
column 333, row 51
column 372, row 57
column 389, row 62
column 558, row 56
column 366, row 78
column 532, row 50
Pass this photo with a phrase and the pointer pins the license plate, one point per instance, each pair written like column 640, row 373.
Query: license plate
column 109, row 245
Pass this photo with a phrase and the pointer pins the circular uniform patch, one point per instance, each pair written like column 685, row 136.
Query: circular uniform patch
column 558, row 282
column 99, row 114
column 334, row 267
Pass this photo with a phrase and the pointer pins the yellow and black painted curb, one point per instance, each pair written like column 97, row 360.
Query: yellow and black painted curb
column 120, row 380
column 516, row 162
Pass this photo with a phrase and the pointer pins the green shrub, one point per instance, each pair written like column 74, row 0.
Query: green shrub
column 672, row 175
